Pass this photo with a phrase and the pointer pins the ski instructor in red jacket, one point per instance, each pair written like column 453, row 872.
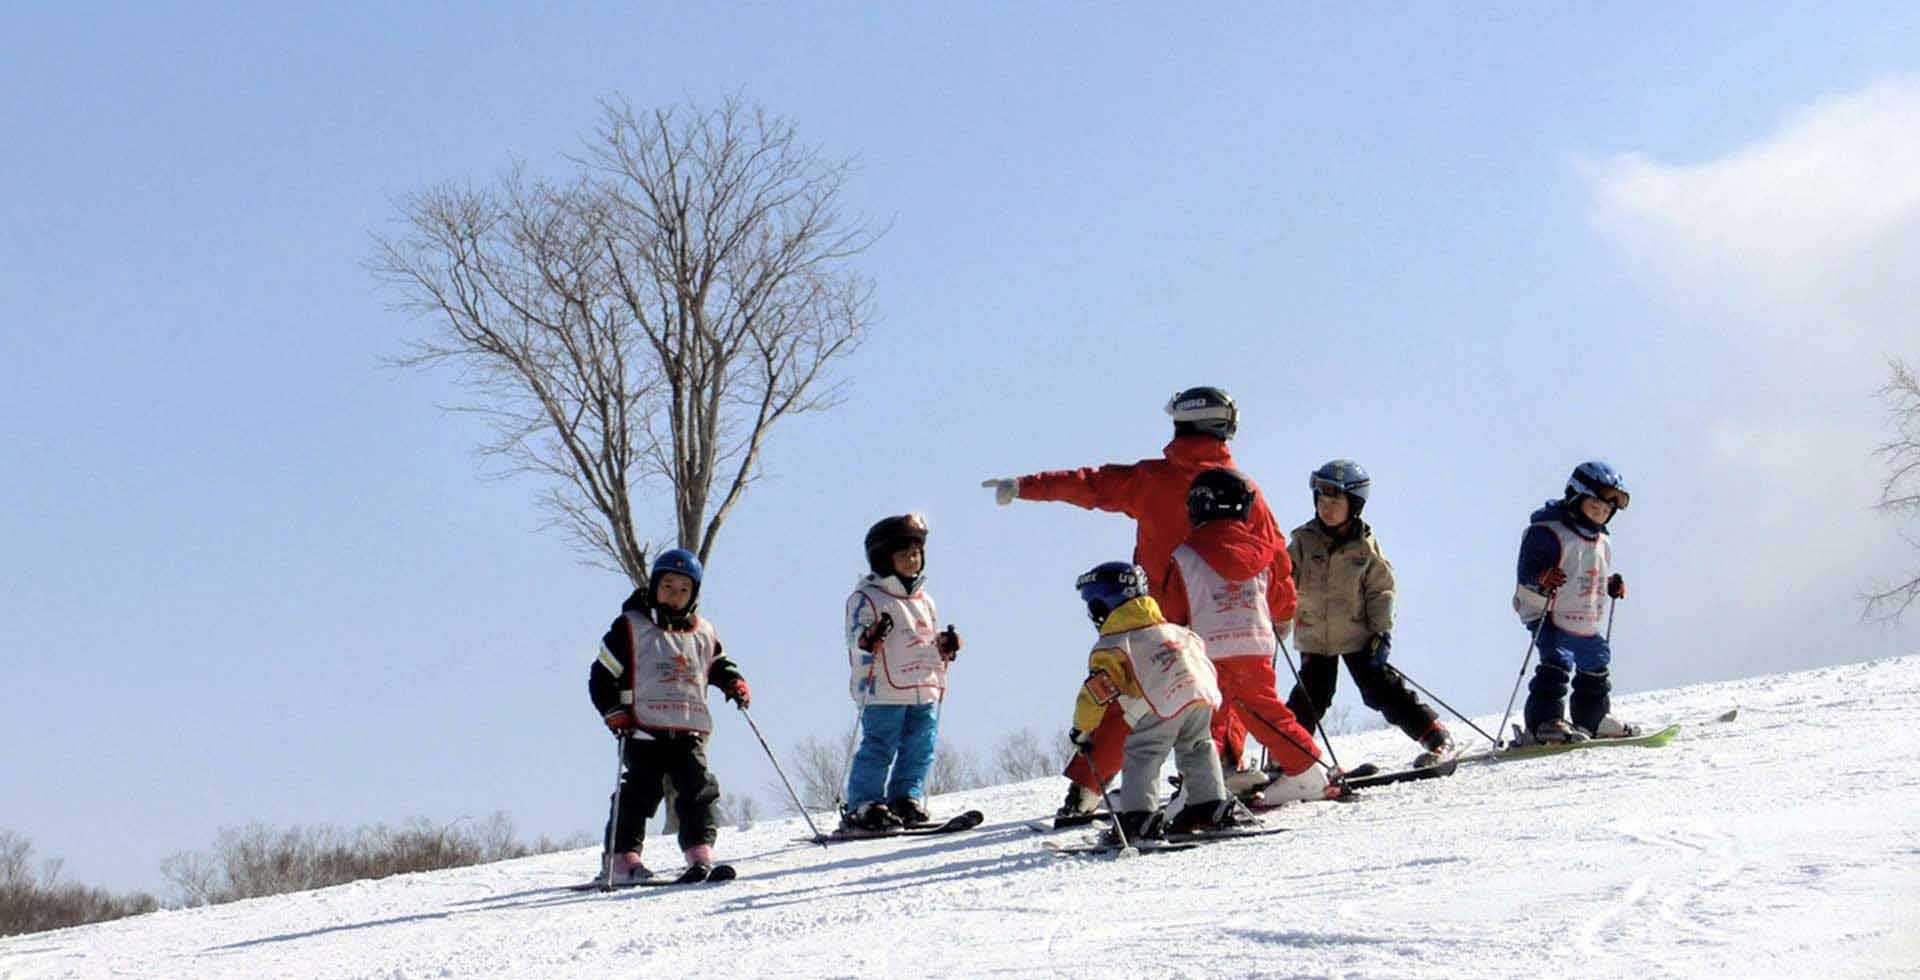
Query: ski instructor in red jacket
column 1154, row 493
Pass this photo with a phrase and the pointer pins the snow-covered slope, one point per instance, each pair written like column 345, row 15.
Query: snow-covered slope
column 1783, row 844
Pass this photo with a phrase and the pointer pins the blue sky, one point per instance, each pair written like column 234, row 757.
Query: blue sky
column 254, row 574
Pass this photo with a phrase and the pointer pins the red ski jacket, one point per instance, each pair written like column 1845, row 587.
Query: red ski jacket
column 1154, row 493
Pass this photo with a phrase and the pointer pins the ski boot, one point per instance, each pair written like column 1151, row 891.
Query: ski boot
column 1309, row 784
column 1138, row 825
column 1611, row 727
column 870, row 816
column 1211, row 817
column 1438, row 746
column 699, row 863
column 1080, row 801
column 910, row 811
column 1556, row 731
column 1246, row 782
column 627, row 870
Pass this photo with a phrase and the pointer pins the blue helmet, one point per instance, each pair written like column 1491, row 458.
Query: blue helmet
column 677, row 560
column 1108, row 586
column 1342, row 476
column 1596, row 479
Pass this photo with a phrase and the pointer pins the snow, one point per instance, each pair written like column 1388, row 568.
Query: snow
column 1784, row 843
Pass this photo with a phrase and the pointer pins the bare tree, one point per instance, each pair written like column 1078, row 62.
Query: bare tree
column 1900, row 491
column 819, row 770
column 953, row 770
column 1024, row 755
column 747, row 811
column 646, row 320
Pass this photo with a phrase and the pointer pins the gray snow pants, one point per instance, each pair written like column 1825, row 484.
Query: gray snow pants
column 1189, row 735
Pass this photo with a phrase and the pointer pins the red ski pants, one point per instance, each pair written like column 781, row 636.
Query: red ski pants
column 1250, row 705
column 1109, row 750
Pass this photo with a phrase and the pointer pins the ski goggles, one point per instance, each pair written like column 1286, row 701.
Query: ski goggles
column 1612, row 496
column 1328, row 488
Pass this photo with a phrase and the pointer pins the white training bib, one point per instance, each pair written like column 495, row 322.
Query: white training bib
column 1170, row 663
column 1231, row 617
column 907, row 668
column 669, row 674
column 1579, row 606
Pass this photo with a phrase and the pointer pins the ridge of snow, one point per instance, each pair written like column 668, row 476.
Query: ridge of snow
column 1784, row 843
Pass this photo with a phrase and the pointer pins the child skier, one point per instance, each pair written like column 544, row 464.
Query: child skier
column 1346, row 612
column 1159, row 676
column 649, row 685
column 899, row 678
column 1565, row 576
column 1153, row 492
column 1232, row 587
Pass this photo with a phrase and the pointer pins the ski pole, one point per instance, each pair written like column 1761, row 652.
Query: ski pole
column 613, row 816
column 1126, row 846
column 1319, row 719
column 818, row 837
column 1612, row 604
column 1545, row 614
column 1307, row 749
column 1422, row 689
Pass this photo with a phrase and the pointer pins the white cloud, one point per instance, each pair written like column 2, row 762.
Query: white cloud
column 1819, row 219
column 1797, row 257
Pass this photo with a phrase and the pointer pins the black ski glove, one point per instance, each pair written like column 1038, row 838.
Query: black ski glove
column 875, row 632
column 948, row 643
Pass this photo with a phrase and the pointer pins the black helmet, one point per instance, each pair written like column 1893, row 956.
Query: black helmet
column 1219, row 494
column 1204, row 411
column 890, row 535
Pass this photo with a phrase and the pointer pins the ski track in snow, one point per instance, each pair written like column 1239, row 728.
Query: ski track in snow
column 1784, row 843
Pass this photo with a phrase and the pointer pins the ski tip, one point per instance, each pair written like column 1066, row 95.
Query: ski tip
column 1728, row 716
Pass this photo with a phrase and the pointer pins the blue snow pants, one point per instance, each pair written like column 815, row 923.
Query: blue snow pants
column 1567, row 651
column 896, row 750
column 1591, row 684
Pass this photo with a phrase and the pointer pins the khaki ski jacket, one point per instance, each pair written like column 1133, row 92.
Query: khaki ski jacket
column 1345, row 589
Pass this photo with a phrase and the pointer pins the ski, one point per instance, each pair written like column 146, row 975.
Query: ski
column 1172, row 842
column 1056, row 822
column 1511, row 751
column 718, row 874
column 1380, row 777
column 964, row 821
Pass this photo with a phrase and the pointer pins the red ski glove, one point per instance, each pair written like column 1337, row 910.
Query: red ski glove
column 948, row 643
column 619, row 722
column 1617, row 586
column 736, row 691
column 1552, row 579
column 875, row 632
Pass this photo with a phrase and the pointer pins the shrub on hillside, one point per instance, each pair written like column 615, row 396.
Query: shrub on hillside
column 255, row 860
column 33, row 901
